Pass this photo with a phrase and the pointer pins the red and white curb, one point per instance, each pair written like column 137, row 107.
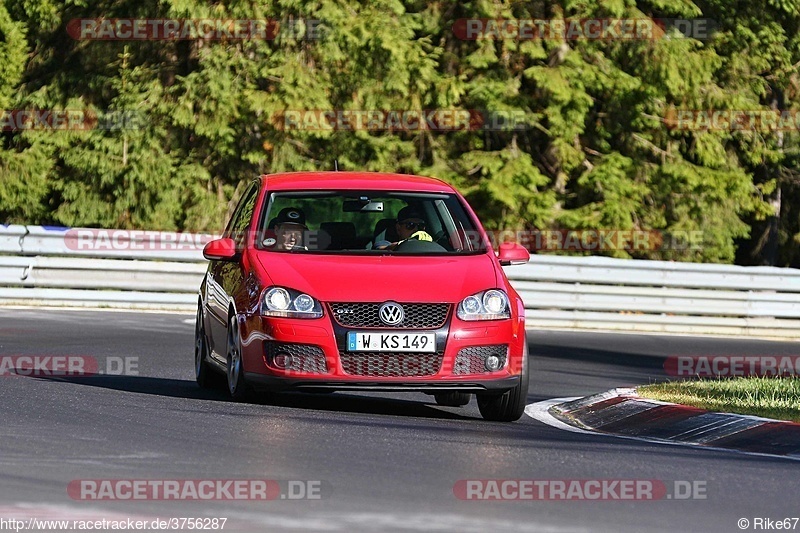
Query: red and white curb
column 623, row 413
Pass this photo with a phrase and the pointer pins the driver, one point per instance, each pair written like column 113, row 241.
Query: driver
column 409, row 225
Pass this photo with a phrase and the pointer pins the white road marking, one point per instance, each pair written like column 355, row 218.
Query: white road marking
column 25, row 511
column 365, row 521
column 539, row 411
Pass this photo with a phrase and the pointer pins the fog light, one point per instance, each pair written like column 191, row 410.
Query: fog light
column 282, row 360
column 493, row 363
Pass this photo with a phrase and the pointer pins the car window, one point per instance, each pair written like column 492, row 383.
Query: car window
column 354, row 222
column 242, row 216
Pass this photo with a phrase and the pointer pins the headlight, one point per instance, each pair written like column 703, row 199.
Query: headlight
column 304, row 303
column 277, row 299
column 487, row 305
column 288, row 303
column 495, row 302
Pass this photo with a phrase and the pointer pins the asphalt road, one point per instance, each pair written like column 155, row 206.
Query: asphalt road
column 379, row 461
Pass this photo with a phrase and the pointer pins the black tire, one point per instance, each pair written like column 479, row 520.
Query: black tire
column 452, row 398
column 237, row 384
column 203, row 373
column 510, row 405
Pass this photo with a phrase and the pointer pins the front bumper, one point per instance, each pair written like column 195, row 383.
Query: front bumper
column 329, row 366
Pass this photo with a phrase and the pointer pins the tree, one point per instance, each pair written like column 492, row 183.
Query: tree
column 589, row 139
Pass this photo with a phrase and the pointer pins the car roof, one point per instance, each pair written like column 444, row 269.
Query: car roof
column 375, row 181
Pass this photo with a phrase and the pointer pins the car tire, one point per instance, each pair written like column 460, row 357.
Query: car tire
column 510, row 405
column 237, row 384
column 452, row 398
column 203, row 373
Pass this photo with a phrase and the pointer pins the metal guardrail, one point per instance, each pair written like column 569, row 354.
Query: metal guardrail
column 659, row 296
column 100, row 268
column 161, row 270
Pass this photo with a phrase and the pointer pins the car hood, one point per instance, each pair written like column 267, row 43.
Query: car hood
column 367, row 278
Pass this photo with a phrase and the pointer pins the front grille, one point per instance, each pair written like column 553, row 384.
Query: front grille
column 305, row 357
column 391, row 365
column 365, row 315
column 472, row 360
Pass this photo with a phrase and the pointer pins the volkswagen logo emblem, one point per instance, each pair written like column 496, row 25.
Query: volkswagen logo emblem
column 391, row 313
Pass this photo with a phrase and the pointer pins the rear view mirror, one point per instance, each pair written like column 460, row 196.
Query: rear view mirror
column 363, row 205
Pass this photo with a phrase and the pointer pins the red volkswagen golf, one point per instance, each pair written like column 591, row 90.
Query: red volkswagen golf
column 362, row 281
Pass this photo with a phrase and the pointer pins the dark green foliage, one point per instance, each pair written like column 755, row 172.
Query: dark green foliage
column 594, row 149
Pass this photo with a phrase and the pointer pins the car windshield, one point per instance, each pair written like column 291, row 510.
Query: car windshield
column 368, row 222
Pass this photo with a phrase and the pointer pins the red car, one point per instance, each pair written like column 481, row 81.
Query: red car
column 329, row 281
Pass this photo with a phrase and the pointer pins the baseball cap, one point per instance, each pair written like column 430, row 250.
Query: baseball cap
column 290, row 215
column 409, row 211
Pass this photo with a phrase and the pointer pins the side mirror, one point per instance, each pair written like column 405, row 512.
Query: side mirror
column 221, row 250
column 511, row 253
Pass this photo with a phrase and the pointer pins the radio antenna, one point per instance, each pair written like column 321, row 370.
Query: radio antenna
column 336, row 165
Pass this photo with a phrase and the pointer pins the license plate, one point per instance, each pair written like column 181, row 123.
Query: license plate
column 396, row 341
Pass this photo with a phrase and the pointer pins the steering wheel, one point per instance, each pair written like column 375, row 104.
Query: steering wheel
column 416, row 246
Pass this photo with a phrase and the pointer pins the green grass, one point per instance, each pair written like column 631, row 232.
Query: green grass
column 768, row 397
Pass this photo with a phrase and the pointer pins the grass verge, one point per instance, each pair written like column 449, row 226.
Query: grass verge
column 769, row 397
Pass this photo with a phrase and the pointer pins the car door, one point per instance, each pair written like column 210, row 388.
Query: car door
column 225, row 278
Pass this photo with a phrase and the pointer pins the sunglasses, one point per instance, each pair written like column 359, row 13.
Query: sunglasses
column 413, row 225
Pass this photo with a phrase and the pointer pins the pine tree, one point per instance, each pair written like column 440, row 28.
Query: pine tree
column 592, row 144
